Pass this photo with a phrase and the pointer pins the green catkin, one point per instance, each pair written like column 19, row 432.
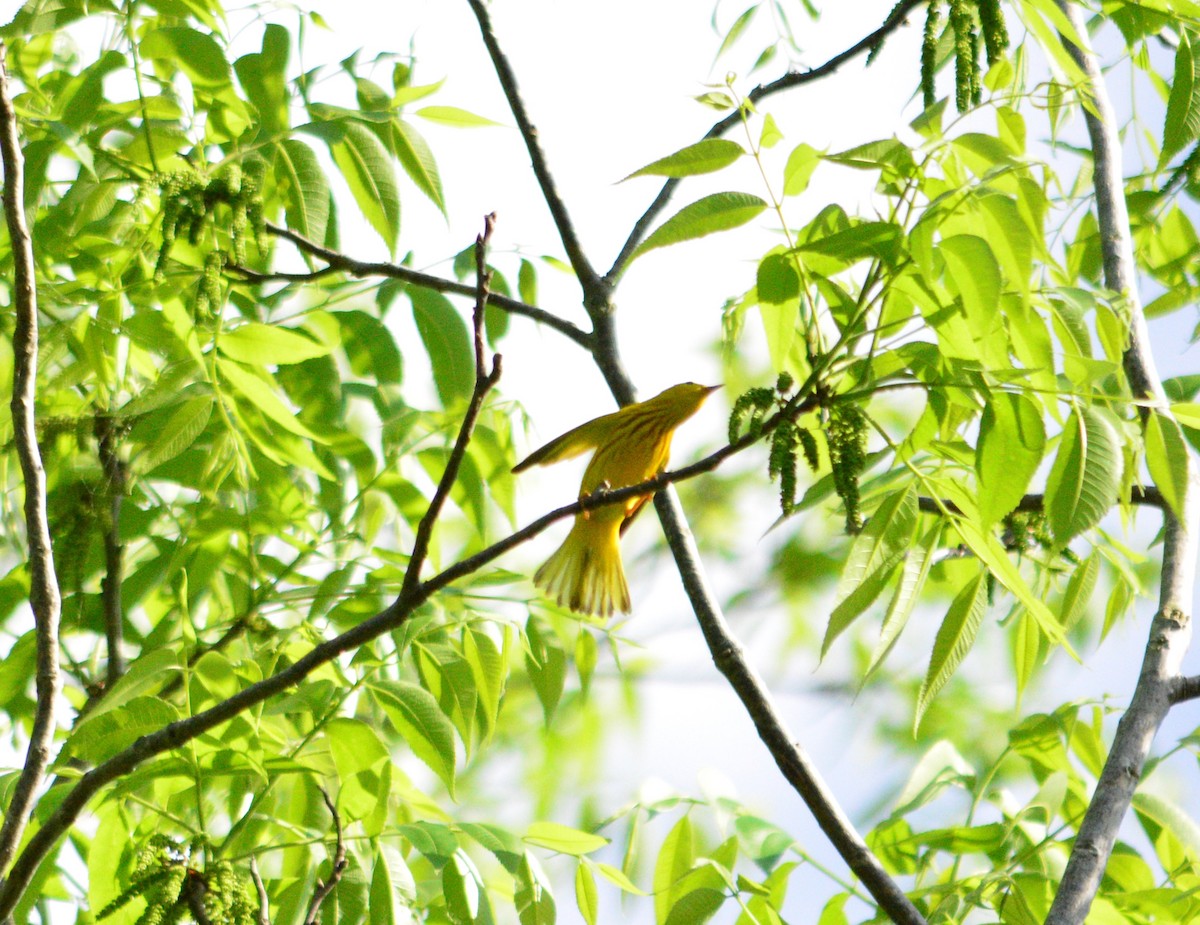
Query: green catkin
column 782, row 462
column 808, row 443
column 995, row 32
column 929, row 46
column 847, row 435
column 753, row 403
column 784, row 383
column 976, row 71
column 965, row 65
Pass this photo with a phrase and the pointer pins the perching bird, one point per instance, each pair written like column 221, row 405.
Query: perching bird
column 632, row 445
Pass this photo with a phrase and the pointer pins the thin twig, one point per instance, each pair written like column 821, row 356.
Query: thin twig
column 484, row 382
column 589, row 279
column 260, row 888
column 1034, row 503
column 361, row 268
column 114, row 552
column 339, row 866
column 1170, row 630
column 44, row 596
column 788, row 81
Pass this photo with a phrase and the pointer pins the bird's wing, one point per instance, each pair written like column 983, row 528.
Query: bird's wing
column 578, row 440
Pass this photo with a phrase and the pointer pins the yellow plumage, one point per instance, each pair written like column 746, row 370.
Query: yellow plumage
column 631, row 446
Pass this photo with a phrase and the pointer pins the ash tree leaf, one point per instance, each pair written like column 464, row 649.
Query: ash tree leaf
column 587, row 898
column 266, row 345
column 1181, row 125
column 917, row 563
column 415, row 156
column 533, row 897
column 1012, row 439
column 873, row 559
column 718, row 212
column 1086, row 475
column 954, row 639
column 1167, row 459
column 194, row 52
column 799, row 169
column 263, row 75
column 448, row 343
column 305, row 188
column 367, row 169
column 178, row 433
column 416, row 715
column 707, row 156
column 453, row 116
column 975, row 274
column 563, row 839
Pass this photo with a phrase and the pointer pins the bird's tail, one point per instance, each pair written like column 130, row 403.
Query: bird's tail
column 585, row 574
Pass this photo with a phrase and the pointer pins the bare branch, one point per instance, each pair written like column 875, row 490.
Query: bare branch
column 484, row 383
column 44, row 596
column 896, row 18
column 1170, row 630
column 589, row 279
column 362, row 268
column 339, row 866
column 1034, row 503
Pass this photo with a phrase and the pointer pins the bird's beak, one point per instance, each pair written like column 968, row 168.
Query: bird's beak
column 709, row 389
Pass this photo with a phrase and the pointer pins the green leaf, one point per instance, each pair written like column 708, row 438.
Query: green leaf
column 448, row 342
column 453, row 116
column 873, row 559
column 98, row 738
column 917, row 562
column 675, row 859
column 368, row 171
column 264, row 77
column 197, row 54
column 267, row 345
column 1171, row 829
column 1086, row 476
column 954, row 640
column 370, row 346
column 975, row 275
column 563, row 839
column 363, row 769
column 1011, row 442
column 505, row 845
column 416, row 715
column 696, row 906
column 799, row 169
column 1078, row 596
column 707, row 156
column 415, row 156
column 178, row 433
column 1167, row 459
column 259, row 394
column 1181, row 125
column 305, row 189
column 533, row 897
column 718, row 212
column 546, row 663
column 587, row 898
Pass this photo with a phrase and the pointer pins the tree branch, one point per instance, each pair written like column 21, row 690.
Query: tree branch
column 44, row 596
column 1186, row 689
column 1170, row 630
column 589, row 279
column 791, row 80
column 484, row 383
column 361, row 268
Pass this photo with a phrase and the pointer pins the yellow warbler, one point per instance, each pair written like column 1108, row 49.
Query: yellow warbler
column 632, row 445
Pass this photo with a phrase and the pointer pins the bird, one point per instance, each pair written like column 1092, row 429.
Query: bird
column 631, row 445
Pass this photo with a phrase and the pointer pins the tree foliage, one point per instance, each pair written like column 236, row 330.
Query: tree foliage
column 297, row 674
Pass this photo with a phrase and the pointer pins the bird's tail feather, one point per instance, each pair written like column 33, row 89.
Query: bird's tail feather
column 585, row 574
